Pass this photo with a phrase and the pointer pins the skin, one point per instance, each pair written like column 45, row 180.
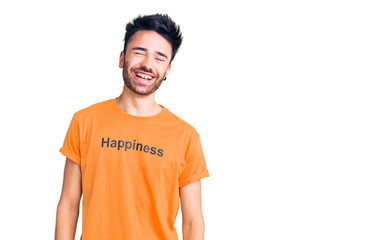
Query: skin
column 147, row 53
column 68, row 206
column 193, row 226
column 138, row 97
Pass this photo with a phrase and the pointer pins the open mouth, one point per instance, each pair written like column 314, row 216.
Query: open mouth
column 143, row 76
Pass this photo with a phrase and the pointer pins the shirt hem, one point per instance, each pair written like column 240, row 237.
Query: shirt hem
column 71, row 156
column 194, row 178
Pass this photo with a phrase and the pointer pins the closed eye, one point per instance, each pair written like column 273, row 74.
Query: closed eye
column 139, row 50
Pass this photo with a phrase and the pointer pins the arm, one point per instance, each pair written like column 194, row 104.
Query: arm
column 68, row 206
column 192, row 219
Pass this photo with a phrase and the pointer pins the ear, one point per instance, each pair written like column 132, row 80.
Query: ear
column 121, row 59
column 168, row 70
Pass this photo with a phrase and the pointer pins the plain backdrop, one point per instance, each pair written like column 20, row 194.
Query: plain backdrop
column 291, row 99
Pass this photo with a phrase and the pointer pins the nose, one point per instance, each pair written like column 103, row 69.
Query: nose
column 146, row 64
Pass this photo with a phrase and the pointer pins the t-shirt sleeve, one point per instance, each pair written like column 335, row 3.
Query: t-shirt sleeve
column 195, row 167
column 71, row 146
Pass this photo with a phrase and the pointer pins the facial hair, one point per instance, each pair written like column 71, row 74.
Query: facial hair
column 138, row 87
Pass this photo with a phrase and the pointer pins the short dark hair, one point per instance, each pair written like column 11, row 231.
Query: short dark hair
column 160, row 23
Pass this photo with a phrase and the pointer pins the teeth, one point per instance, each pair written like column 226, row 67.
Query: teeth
column 143, row 76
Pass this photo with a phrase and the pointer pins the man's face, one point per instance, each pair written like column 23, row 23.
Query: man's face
column 146, row 62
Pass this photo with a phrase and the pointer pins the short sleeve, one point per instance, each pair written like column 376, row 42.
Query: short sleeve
column 71, row 146
column 195, row 167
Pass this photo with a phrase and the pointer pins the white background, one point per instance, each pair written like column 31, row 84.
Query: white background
column 291, row 99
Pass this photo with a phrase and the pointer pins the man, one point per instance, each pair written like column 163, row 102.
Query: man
column 131, row 158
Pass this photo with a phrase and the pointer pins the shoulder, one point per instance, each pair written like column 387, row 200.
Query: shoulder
column 93, row 110
column 181, row 125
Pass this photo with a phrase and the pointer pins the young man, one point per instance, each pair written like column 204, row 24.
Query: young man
column 131, row 158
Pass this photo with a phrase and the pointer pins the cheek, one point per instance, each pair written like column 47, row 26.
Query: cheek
column 131, row 61
column 162, row 69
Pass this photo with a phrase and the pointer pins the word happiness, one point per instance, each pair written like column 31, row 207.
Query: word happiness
column 128, row 145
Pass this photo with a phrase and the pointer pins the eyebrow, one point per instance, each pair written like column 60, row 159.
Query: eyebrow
column 162, row 54
column 145, row 50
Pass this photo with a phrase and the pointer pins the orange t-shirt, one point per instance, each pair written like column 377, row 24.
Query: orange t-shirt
column 132, row 168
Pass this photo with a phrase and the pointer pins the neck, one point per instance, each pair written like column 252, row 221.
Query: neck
column 138, row 105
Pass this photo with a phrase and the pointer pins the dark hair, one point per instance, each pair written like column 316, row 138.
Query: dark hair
column 162, row 24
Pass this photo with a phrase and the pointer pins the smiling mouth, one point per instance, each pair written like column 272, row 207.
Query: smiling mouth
column 143, row 76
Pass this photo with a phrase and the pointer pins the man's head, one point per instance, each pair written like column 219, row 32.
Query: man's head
column 161, row 24
column 151, row 43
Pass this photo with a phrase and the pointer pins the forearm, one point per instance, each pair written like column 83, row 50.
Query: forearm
column 66, row 222
column 193, row 230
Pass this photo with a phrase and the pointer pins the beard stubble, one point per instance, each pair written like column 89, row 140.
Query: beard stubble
column 138, row 87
